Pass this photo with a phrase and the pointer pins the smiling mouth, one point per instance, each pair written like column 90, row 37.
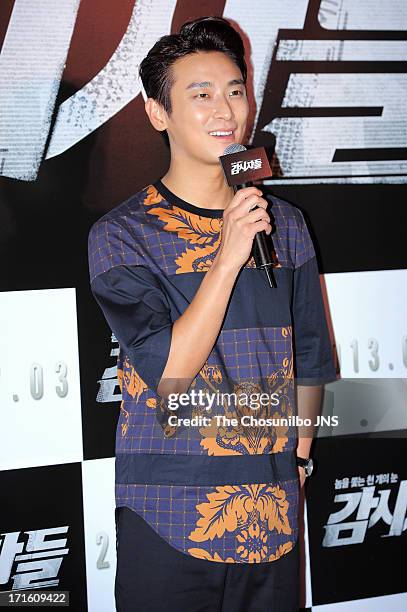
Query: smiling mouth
column 223, row 134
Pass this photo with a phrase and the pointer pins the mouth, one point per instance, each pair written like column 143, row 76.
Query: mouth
column 224, row 135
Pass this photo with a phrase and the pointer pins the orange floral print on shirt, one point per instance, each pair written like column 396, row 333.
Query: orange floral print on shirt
column 250, row 511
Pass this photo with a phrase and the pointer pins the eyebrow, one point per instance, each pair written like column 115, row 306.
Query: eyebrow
column 209, row 84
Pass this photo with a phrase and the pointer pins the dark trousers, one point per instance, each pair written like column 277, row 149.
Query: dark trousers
column 152, row 576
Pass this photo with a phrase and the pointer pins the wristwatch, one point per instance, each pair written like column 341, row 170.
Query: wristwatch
column 307, row 464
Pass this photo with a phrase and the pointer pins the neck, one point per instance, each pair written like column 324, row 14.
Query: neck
column 201, row 185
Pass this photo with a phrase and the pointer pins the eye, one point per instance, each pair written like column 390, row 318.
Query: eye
column 237, row 91
column 201, row 94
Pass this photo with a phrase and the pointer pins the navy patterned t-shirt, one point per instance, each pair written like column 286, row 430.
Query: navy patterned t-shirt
column 218, row 490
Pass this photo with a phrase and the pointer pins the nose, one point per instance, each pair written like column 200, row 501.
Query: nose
column 223, row 108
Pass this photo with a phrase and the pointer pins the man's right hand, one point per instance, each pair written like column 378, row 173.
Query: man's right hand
column 240, row 225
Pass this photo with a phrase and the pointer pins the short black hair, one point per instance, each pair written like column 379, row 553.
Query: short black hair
column 203, row 34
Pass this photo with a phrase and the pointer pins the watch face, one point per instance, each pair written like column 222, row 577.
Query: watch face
column 309, row 467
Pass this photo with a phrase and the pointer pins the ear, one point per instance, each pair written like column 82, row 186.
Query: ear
column 156, row 114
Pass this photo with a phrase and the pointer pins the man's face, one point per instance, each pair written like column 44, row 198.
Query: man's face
column 208, row 95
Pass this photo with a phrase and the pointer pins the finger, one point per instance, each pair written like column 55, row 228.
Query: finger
column 243, row 194
column 259, row 226
column 246, row 206
column 258, row 214
column 258, row 203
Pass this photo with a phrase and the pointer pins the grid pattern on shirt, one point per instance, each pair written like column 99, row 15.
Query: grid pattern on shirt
column 241, row 355
column 129, row 235
column 111, row 242
column 291, row 239
column 172, row 512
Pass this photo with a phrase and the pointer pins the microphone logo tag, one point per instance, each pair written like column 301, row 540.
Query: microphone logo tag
column 243, row 166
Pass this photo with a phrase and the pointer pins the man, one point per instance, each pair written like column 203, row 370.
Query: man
column 207, row 514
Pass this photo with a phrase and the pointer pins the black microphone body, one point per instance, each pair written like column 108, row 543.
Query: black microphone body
column 251, row 165
column 263, row 248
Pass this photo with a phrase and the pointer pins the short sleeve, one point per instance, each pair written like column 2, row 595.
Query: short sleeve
column 312, row 346
column 135, row 307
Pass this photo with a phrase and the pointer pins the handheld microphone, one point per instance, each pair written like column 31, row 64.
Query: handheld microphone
column 241, row 166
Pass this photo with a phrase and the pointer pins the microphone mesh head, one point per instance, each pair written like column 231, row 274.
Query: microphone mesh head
column 234, row 148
